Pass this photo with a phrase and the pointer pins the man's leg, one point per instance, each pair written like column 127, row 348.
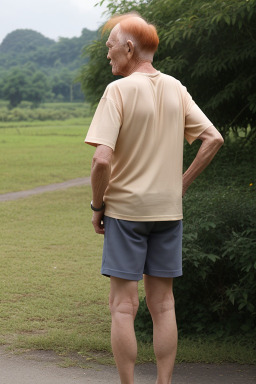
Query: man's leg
column 160, row 303
column 124, row 304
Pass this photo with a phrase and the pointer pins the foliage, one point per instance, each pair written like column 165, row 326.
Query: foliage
column 94, row 77
column 213, row 51
column 143, row 323
column 24, row 41
column 35, row 68
column 208, row 45
column 24, row 85
column 14, row 88
column 218, row 289
column 22, row 46
column 216, row 294
column 56, row 111
column 29, row 84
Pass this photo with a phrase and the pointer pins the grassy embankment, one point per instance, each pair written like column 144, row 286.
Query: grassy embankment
column 52, row 294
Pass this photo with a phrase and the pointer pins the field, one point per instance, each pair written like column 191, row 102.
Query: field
column 52, row 294
column 41, row 153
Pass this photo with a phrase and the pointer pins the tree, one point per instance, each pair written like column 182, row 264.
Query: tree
column 213, row 51
column 95, row 76
column 25, row 83
column 208, row 45
column 63, row 85
column 37, row 88
column 30, row 52
column 15, row 87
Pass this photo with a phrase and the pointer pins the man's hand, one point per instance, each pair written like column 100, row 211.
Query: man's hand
column 97, row 222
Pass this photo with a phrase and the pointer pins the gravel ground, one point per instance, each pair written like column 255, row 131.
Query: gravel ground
column 44, row 367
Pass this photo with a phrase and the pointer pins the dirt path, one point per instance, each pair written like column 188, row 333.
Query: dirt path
column 44, row 367
column 45, row 188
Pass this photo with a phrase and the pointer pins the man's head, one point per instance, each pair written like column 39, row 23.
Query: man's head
column 131, row 41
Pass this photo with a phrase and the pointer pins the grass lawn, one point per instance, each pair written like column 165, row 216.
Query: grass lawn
column 41, row 153
column 51, row 291
column 52, row 294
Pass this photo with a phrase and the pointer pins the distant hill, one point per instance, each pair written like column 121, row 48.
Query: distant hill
column 24, row 41
column 36, row 68
column 25, row 45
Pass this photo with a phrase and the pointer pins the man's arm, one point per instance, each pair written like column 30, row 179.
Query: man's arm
column 211, row 143
column 100, row 174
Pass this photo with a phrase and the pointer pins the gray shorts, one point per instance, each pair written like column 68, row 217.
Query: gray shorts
column 133, row 248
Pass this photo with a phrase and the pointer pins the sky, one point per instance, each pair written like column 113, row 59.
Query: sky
column 52, row 18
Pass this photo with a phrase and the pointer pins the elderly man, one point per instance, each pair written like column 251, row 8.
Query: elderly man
column 137, row 187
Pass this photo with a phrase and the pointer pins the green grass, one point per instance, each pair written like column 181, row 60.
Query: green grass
column 52, row 294
column 51, row 291
column 41, row 153
column 207, row 349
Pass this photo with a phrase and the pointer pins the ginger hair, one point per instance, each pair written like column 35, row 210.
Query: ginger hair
column 132, row 24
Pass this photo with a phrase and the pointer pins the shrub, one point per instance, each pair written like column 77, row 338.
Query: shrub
column 218, row 289
column 216, row 294
column 143, row 323
column 54, row 111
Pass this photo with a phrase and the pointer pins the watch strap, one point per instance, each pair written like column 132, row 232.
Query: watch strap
column 98, row 209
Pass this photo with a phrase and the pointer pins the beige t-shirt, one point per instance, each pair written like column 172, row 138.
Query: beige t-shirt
column 143, row 118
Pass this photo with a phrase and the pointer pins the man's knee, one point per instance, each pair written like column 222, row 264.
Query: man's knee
column 159, row 305
column 123, row 298
column 126, row 306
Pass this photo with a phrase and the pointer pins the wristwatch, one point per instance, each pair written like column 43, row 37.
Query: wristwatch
column 98, row 209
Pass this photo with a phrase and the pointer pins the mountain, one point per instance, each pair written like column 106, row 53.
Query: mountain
column 24, row 41
column 30, row 61
column 25, row 45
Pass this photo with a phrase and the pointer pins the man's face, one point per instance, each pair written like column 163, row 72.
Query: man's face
column 117, row 54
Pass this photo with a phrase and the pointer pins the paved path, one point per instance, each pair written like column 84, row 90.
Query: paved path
column 45, row 188
column 43, row 367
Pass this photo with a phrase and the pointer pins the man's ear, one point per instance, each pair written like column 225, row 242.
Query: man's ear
column 130, row 48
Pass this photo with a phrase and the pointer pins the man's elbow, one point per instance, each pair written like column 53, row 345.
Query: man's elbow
column 101, row 160
column 212, row 138
column 100, row 164
column 218, row 140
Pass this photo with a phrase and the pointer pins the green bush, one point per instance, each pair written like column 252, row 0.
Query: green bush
column 216, row 294
column 143, row 323
column 56, row 111
column 218, row 290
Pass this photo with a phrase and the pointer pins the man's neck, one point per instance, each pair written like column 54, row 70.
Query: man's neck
column 142, row 66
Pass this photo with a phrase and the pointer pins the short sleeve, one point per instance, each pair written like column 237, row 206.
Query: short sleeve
column 196, row 122
column 106, row 122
